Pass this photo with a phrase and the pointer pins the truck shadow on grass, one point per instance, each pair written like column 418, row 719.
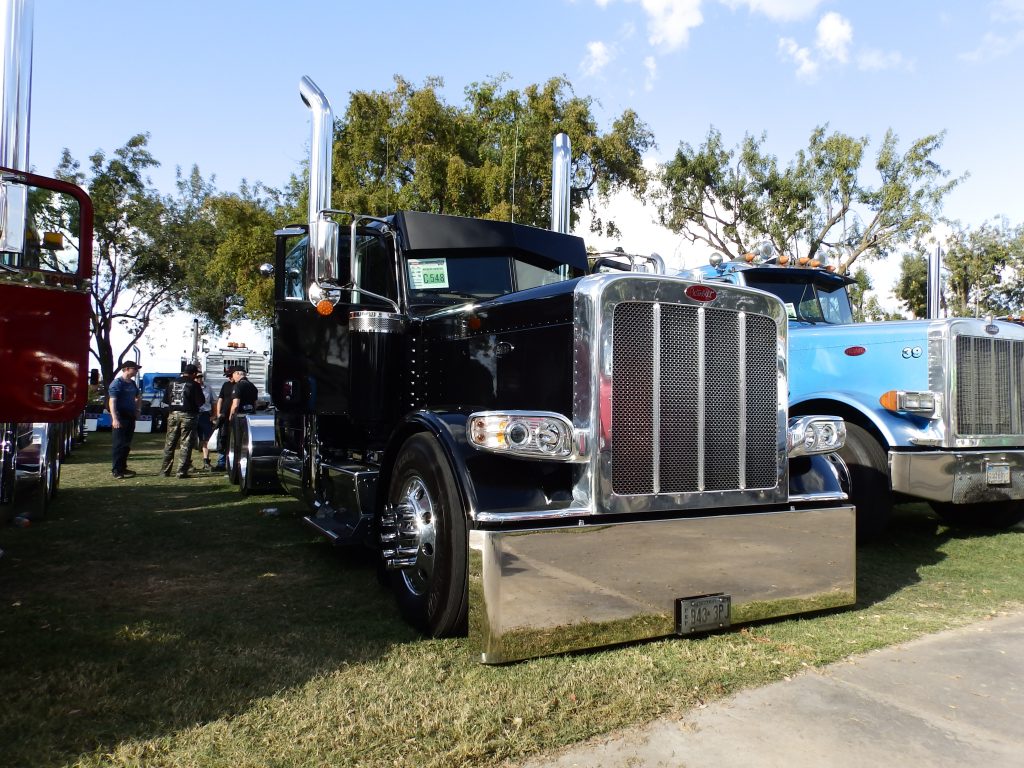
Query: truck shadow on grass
column 916, row 540
column 144, row 606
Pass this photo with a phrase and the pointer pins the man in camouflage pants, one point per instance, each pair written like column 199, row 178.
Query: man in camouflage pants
column 184, row 398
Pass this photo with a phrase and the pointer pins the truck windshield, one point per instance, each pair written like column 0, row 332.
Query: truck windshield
column 807, row 301
column 455, row 279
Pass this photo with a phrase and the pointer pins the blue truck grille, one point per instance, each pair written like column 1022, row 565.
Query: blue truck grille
column 694, row 403
column 989, row 376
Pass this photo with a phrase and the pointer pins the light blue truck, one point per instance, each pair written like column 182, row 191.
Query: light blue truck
column 934, row 408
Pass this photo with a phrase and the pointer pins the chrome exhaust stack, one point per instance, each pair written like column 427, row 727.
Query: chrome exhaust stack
column 323, row 232
column 561, row 163
column 16, row 28
column 15, row 109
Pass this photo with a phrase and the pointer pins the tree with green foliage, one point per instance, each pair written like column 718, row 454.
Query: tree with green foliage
column 731, row 199
column 982, row 267
column 912, row 285
column 406, row 148
column 217, row 241
column 132, row 278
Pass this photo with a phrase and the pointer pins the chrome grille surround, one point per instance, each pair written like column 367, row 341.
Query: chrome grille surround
column 981, row 384
column 646, row 356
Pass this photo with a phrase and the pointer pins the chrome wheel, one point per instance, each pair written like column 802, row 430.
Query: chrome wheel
column 415, row 519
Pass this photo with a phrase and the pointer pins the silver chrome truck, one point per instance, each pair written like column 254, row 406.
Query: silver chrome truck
column 549, row 459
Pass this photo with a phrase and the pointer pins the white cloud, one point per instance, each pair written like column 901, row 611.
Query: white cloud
column 651, row 65
column 873, row 60
column 598, row 56
column 669, row 21
column 994, row 46
column 834, row 37
column 807, row 67
column 777, row 10
column 1008, row 10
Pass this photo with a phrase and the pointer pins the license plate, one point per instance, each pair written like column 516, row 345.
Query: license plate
column 997, row 474
column 702, row 614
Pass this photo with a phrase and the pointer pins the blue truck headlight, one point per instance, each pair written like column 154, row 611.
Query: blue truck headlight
column 524, row 434
column 816, row 434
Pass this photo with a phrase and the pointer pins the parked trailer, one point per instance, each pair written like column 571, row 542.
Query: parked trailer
column 256, row 365
column 547, row 459
column 44, row 294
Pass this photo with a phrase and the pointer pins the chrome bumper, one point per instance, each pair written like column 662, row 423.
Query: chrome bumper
column 544, row 591
column 962, row 477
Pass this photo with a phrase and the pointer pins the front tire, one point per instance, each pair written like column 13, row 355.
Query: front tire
column 425, row 512
column 991, row 515
column 869, row 477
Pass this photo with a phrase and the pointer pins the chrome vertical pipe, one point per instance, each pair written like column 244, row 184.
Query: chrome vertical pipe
column 16, row 28
column 561, row 161
column 934, row 283
column 320, row 145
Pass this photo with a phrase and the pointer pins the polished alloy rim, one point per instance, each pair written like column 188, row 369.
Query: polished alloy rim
column 418, row 522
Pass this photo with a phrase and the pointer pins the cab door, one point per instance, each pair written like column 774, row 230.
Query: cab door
column 45, row 272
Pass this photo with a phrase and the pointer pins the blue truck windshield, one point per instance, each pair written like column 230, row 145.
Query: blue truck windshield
column 807, row 301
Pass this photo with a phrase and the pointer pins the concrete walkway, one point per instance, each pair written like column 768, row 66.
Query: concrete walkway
column 951, row 699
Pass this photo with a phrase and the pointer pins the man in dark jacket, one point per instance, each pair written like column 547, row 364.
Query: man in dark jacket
column 184, row 398
column 243, row 400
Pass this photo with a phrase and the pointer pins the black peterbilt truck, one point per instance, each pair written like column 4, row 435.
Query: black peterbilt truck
column 547, row 458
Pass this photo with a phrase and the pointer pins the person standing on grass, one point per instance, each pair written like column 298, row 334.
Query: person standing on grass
column 184, row 398
column 124, row 404
column 220, row 417
column 204, row 425
column 244, row 396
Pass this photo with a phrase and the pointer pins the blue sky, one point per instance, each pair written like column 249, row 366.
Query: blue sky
column 216, row 82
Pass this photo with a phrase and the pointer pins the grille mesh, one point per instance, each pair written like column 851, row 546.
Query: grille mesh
column 738, row 374
column 986, row 370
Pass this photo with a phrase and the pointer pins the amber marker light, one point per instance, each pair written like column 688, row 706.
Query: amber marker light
column 748, row 257
column 324, row 307
column 783, row 259
column 802, row 261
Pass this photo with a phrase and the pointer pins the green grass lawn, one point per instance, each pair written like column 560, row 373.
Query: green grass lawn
column 156, row 621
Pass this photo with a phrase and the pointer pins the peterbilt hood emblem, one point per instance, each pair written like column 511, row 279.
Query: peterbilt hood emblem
column 992, row 329
column 701, row 293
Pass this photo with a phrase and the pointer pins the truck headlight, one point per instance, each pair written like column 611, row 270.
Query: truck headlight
column 526, row 435
column 816, row 434
column 920, row 403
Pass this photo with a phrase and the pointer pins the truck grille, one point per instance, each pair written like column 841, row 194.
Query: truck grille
column 988, row 373
column 694, row 401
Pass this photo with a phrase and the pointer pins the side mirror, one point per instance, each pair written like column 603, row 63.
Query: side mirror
column 13, row 207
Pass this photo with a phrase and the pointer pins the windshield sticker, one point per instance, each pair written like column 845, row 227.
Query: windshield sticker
column 790, row 310
column 425, row 274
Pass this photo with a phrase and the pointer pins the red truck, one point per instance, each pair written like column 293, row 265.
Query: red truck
column 45, row 279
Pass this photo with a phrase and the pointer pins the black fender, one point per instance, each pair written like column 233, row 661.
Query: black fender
column 449, row 429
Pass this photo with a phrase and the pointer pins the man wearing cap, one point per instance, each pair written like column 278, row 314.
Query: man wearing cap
column 184, row 398
column 244, row 396
column 123, row 403
column 220, row 414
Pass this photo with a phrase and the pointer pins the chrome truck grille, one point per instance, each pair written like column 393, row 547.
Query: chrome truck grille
column 694, row 400
column 988, row 380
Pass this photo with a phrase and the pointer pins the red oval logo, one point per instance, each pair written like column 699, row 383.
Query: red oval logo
column 701, row 293
column 854, row 351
